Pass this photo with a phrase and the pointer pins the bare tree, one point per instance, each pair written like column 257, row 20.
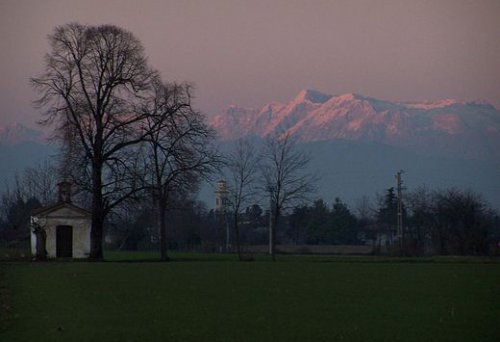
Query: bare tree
column 286, row 177
column 364, row 208
column 178, row 150
column 92, row 80
column 463, row 223
column 41, row 181
column 242, row 164
column 420, row 205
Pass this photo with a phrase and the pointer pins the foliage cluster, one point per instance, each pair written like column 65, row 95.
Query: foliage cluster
column 449, row 222
column 318, row 224
column 124, row 131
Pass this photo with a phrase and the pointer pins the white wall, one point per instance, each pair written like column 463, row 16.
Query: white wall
column 64, row 216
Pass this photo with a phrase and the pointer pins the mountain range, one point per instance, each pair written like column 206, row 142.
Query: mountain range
column 357, row 143
column 448, row 127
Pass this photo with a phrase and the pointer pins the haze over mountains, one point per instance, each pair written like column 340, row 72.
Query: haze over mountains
column 17, row 133
column 21, row 147
column 357, row 143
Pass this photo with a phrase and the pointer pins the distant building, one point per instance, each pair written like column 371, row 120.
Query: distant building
column 221, row 210
column 61, row 230
column 221, row 197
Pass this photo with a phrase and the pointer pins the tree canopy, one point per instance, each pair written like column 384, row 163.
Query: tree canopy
column 96, row 92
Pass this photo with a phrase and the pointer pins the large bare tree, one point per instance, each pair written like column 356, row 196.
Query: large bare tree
column 93, row 78
column 242, row 172
column 178, row 151
column 286, row 178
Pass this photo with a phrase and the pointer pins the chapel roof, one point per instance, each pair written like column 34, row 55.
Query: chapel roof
column 43, row 211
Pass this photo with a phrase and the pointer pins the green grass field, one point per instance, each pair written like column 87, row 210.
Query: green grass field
column 215, row 298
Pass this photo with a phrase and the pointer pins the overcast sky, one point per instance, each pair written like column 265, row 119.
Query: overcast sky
column 254, row 52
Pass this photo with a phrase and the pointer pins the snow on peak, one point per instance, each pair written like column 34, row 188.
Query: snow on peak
column 349, row 97
column 429, row 105
column 311, row 95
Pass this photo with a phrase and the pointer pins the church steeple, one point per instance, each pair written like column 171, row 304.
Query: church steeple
column 221, row 194
column 64, row 192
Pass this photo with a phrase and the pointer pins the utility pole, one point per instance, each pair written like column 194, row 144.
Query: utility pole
column 399, row 231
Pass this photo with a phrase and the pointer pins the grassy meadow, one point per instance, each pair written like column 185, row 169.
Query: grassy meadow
column 131, row 297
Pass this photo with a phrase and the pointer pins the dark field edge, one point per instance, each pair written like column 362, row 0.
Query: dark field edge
column 152, row 257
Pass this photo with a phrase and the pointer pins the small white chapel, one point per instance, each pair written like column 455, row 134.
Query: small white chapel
column 61, row 230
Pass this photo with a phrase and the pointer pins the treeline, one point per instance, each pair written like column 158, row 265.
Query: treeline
column 444, row 222
column 452, row 221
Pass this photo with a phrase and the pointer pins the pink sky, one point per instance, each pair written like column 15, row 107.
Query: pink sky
column 254, row 52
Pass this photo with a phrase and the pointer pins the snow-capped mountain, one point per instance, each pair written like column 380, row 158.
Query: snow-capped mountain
column 444, row 127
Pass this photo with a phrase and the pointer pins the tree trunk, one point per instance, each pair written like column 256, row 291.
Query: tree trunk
column 163, row 231
column 271, row 233
column 273, row 223
column 237, row 235
column 96, row 232
column 96, row 235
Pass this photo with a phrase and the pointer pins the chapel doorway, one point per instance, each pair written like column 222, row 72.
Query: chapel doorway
column 64, row 242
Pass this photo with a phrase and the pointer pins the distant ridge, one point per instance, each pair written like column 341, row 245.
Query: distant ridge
column 21, row 147
column 446, row 127
column 18, row 133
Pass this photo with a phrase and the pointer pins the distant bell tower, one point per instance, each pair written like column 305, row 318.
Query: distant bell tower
column 221, row 194
column 64, row 192
column 221, row 204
